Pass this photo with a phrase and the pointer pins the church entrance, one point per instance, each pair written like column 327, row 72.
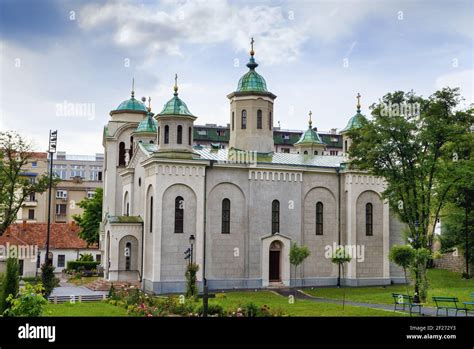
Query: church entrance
column 274, row 262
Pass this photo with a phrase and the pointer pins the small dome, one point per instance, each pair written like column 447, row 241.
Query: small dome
column 132, row 104
column 148, row 124
column 175, row 106
column 354, row 122
column 309, row 137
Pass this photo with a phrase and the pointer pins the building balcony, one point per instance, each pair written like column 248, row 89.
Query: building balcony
column 30, row 203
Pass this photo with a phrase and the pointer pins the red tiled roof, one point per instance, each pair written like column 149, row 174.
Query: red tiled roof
column 62, row 235
column 38, row 155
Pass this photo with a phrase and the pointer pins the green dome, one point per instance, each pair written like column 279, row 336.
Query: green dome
column 354, row 122
column 132, row 104
column 252, row 81
column 175, row 106
column 148, row 124
column 309, row 137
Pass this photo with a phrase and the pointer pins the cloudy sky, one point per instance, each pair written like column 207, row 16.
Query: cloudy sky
column 314, row 55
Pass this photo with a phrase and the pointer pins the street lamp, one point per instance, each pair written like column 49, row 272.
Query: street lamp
column 53, row 139
column 192, row 240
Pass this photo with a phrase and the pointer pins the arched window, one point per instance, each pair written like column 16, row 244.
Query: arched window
column 179, row 138
column 233, row 120
column 319, row 218
column 270, row 121
column 345, row 146
column 225, row 229
column 259, row 119
column 151, row 142
column 315, row 152
column 305, row 152
column 130, row 152
column 158, row 141
column 190, row 136
column 275, row 216
column 369, row 227
column 178, row 215
column 128, row 255
column 167, row 134
column 121, row 154
column 151, row 215
column 244, row 119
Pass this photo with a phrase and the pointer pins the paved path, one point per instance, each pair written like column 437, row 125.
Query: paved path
column 299, row 294
column 75, row 291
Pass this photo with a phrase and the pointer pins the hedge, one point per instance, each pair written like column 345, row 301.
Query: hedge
column 82, row 265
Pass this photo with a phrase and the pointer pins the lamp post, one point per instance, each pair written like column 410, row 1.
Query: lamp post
column 53, row 138
column 192, row 240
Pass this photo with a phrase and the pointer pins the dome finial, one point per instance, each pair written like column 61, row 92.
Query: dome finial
column 358, row 102
column 149, row 104
column 310, row 123
column 176, row 84
column 252, row 64
column 133, row 87
column 252, row 52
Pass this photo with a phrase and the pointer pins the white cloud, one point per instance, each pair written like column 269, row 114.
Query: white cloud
column 463, row 79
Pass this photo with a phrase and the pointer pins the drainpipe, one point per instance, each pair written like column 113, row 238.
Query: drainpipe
column 338, row 221
column 205, row 288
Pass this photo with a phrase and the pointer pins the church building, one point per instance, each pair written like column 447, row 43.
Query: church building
column 241, row 207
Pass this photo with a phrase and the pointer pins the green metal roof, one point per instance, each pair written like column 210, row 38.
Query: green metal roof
column 354, row 122
column 132, row 104
column 252, row 81
column 175, row 106
column 148, row 124
column 309, row 137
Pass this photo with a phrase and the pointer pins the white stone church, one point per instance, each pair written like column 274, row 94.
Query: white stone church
column 245, row 205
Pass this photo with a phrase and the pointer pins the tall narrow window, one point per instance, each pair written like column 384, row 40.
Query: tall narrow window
column 121, row 154
column 270, row 121
column 130, row 152
column 167, row 134
column 225, row 229
column 179, row 139
column 151, row 214
column 233, row 120
column 319, row 218
column 244, row 119
column 178, row 215
column 190, row 136
column 259, row 119
column 275, row 216
column 345, row 147
column 369, row 227
column 158, row 142
column 128, row 255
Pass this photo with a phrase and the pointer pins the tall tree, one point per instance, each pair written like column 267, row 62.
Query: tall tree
column 90, row 219
column 410, row 143
column 15, row 186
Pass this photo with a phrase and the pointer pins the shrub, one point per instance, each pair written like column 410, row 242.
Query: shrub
column 212, row 310
column 29, row 302
column 49, row 280
column 250, row 310
column 10, row 283
column 86, row 257
column 81, row 265
column 191, row 286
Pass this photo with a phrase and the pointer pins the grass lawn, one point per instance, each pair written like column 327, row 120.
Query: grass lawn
column 442, row 283
column 82, row 281
column 233, row 300
column 84, row 309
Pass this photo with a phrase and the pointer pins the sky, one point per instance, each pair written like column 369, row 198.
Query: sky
column 65, row 64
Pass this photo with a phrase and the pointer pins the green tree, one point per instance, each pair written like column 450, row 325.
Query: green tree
column 90, row 219
column 10, row 284
column 402, row 256
column 49, row 280
column 410, row 142
column 340, row 257
column 15, row 186
column 297, row 256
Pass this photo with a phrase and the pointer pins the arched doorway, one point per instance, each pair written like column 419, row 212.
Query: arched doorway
column 274, row 274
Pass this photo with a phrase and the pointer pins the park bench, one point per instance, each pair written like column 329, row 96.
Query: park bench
column 470, row 303
column 403, row 301
column 448, row 303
